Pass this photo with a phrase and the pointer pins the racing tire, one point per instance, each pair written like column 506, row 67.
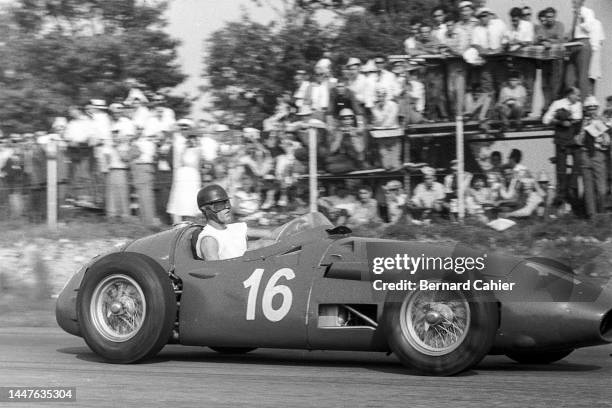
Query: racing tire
column 441, row 333
column 126, row 307
column 538, row 357
column 232, row 350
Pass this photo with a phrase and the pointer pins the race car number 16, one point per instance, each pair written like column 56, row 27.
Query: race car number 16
column 271, row 290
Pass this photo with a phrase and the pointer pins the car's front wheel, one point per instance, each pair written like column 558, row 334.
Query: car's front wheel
column 440, row 332
column 126, row 307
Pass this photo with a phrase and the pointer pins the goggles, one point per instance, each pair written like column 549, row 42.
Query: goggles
column 220, row 205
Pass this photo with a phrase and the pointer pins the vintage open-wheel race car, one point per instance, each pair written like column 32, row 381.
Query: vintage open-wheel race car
column 311, row 287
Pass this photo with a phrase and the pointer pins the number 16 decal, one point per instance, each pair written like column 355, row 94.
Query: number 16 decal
column 271, row 290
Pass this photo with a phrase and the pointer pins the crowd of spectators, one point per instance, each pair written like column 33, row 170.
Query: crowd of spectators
column 135, row 154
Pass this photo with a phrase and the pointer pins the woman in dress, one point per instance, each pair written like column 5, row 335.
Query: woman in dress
column 187, row 181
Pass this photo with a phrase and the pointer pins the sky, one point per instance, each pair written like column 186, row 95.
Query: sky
column 192, row 21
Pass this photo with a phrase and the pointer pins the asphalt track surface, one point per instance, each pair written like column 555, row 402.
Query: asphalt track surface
column 198, row 377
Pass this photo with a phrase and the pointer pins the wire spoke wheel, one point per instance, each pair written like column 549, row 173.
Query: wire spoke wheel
column 435, row 323
column 118, row 308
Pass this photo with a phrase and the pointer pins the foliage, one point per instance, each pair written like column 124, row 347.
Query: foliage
column 62, row 52
column 265, row 58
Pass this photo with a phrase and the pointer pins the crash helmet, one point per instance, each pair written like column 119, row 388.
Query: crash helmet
column 213, row 193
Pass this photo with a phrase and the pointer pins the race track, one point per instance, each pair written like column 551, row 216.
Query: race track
column 198, row 377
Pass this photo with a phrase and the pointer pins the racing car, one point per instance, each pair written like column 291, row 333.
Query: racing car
column 310, row 286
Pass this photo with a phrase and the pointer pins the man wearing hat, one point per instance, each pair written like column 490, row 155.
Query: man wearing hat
column 341, row 97
column 594, row 157
column 565, row 115
column 467, row 20
column 348, row 145
column 356, row 82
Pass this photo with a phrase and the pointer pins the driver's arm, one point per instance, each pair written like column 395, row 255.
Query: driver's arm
column 210, row 249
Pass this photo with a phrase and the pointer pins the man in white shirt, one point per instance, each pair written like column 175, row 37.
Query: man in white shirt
column 429, row 195
column 438, row 15
column 302, row 83
column 487, row 38
column 566, row 115
column 512, row 100
column 411, row 42
column 580, row 60
column 318, row 94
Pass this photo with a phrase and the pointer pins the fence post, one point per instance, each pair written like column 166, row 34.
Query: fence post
column 460, row 170
column 312, row 168
column 52, row 184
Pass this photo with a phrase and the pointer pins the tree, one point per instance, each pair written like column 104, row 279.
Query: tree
column 64, row 52
column 249, row 64
column 265, row 58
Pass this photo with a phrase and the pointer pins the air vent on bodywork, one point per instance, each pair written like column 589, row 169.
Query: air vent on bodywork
column 606, row 327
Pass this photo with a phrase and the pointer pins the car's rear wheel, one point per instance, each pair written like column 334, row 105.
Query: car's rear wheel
column 440, row 332
column 126, row 307
column 232, row 350
column 538, row 357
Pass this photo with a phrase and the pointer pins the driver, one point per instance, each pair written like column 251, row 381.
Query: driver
column 219, row 239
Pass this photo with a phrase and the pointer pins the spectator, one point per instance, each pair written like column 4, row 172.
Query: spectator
column 117, row 159
column 246, row 199
column 594, row 157
column 521, row 34
column 79, row 133
column 578, row 66
column 187, row 179
column 343, row 98
column 356, row 82
column 550, row 33
column 286, row 170
column 457, row 41
column 508, row 191
column 143, row 152
column 429, row 195
column 438, row 15
column 565, row 115
column 512, row 101
column 14, row 176
column 487, row 39
column 411, row 42
column 467, row 21
column 101, row 133
column 534, row 197
column 477, row 104
column 395, row 200
column 479, row 197
column 347, row 147
column 35, row 169
column 140, row 112
column 527, row 14
column 380, row 77
column 366, row 209
column 412, row 99
column 596, row 37
column 434, row 77
column 385, row 116
column 302, row 86
column 496, row 162
column 318, row 95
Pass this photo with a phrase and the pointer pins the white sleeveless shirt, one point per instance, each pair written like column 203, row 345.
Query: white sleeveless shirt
column 232, row 241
